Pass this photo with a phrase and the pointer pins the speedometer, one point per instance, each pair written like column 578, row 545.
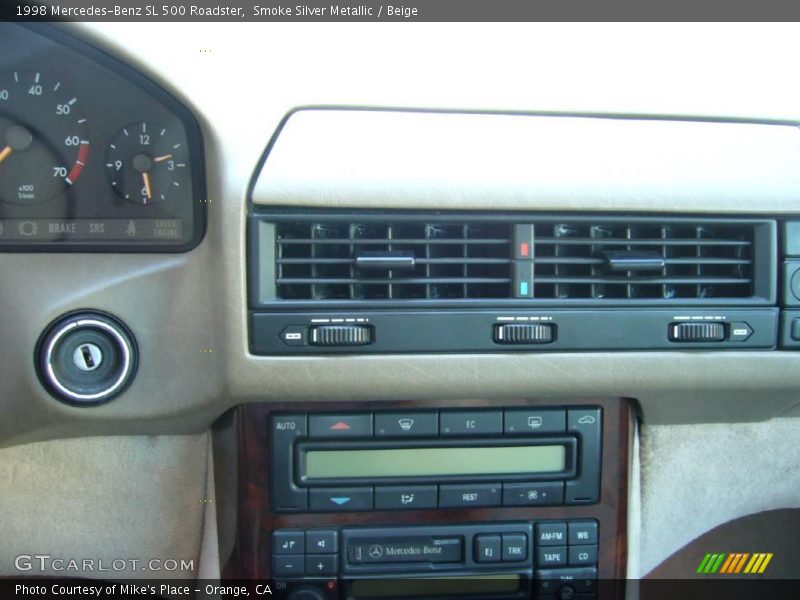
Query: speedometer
column 44, row 142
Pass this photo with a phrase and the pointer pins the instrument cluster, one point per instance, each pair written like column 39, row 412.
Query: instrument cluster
column 93, row 155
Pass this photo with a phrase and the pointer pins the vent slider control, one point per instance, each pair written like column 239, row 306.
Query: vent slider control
column 385, row 260
column 630, row 260
column 697, row 332
column 341, row 335
column 523, row 333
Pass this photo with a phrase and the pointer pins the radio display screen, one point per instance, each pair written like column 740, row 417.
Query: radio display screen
column 434, row 461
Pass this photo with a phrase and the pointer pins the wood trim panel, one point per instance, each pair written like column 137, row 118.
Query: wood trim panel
column 248, row 528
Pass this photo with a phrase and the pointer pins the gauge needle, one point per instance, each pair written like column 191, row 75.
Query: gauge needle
column 162, row 158
column 147, row 189
column 5, row 153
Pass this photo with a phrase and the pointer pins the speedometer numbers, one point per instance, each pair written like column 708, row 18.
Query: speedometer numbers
column 146, row 165
column 44, row 144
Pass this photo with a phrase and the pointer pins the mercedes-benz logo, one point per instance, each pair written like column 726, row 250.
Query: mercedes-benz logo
column 375, row 551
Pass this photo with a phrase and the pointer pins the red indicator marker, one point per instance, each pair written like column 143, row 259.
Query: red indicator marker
column 523, row 248
column 340, row 426
column 77, row 168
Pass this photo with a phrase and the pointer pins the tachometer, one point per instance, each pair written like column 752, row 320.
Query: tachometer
column 44, row 141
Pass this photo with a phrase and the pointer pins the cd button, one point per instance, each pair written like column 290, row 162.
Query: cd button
column 407, row 498
column 467, row 496
column 477, row 422
column 582, row 555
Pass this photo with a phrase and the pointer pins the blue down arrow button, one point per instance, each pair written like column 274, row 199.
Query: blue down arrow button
column 338, row 499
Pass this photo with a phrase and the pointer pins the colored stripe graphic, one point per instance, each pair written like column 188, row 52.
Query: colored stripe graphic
column 735, row 563
column 727, row 564
column 714, row 563
column 765, row 563
column 703, row 563
column 740, row 564
column 755, row 560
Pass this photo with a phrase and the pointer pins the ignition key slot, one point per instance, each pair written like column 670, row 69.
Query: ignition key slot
column 86, row 358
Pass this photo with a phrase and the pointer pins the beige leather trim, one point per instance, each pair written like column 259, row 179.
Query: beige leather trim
column 104, row 499
column 696, row 477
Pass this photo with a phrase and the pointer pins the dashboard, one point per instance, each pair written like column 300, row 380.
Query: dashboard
column 329, row 274
column 94, row 155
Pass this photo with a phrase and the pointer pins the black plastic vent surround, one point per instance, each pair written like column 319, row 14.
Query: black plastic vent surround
column 596, row 259
column 332, row 260
column 675, row 260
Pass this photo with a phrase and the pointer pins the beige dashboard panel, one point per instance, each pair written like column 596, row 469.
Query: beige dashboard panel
column 188, row 312
column 397, row 159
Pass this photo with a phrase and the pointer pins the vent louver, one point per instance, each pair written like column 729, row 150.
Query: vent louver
column 575, row 260
column 319, row 261
column 595, row 259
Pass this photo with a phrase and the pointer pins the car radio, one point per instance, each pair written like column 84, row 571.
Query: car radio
column 491, row 560
column 426, row 459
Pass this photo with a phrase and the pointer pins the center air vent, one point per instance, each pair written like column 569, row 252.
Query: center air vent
column 647, row 260
column 478, row 257
column 396, row 260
